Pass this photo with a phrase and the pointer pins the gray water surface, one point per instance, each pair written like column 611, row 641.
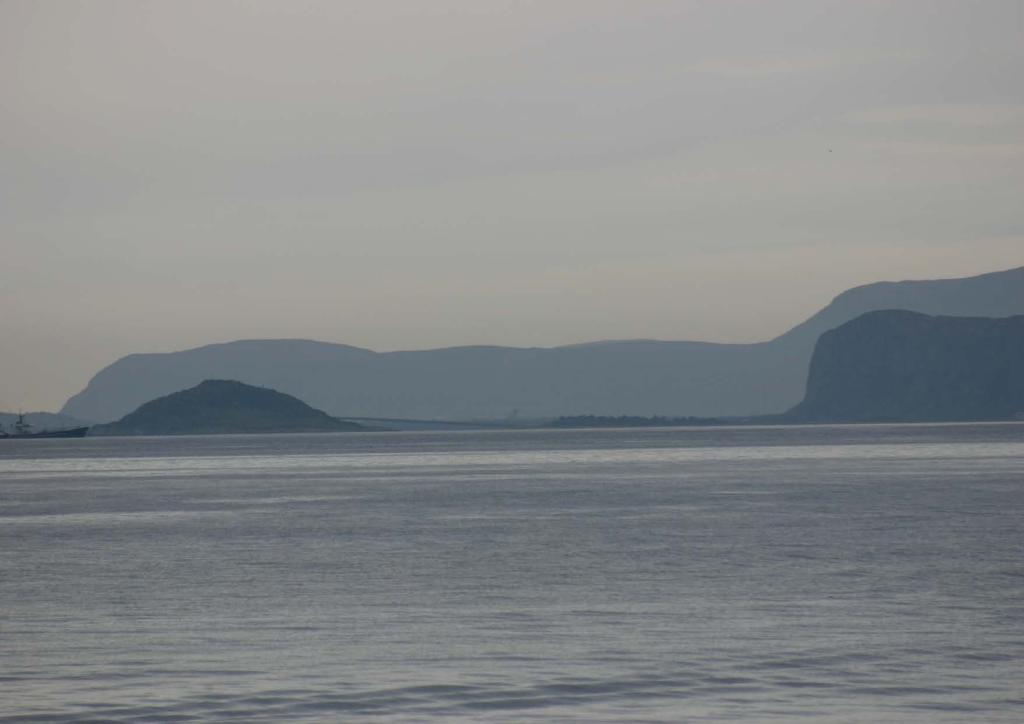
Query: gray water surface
column 867, row 573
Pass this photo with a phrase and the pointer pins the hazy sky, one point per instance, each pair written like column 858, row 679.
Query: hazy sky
column 421, row 174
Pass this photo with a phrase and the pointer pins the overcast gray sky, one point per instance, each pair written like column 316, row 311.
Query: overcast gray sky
column 421, row 174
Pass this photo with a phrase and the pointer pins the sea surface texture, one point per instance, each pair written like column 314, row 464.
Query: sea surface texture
column 869, row 573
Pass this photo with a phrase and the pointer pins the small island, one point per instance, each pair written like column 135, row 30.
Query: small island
column 225, row 407
column 613, row 421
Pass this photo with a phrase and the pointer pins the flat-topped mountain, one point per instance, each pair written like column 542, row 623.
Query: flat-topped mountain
column 642, row 378
column 899, row 366
column 224, row 406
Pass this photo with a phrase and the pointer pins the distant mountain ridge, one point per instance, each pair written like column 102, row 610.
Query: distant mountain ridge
column 223, row 406
column 899, row 366
column 639, row 377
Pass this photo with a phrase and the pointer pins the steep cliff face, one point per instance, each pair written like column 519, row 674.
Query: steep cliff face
column 899, row 366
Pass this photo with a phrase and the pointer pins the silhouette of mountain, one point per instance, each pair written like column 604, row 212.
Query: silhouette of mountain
column 638, row 377
column 223, row 406
column 899, row 366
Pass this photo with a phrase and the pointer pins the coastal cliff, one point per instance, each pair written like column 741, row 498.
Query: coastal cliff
column 900, row 366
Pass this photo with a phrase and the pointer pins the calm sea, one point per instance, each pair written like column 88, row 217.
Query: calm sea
column 869, row 573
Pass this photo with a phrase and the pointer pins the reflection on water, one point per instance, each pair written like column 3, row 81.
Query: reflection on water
column 847, row 573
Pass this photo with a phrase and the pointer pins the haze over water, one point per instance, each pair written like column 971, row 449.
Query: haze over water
column 868, row 573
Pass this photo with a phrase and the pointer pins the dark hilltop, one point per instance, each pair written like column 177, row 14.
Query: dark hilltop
column 224, row 406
